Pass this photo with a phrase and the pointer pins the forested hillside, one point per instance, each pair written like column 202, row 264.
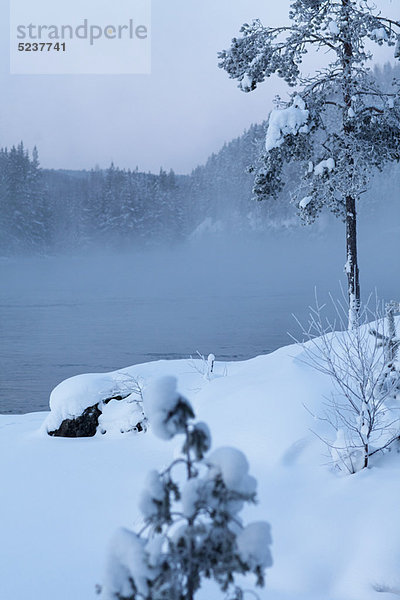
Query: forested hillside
column 44, row 211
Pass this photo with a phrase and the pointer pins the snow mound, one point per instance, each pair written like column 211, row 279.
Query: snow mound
column 337, row 537
column 122, row 416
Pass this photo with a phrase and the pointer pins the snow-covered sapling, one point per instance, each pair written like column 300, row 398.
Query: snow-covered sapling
column 361, row 408
column 210, row 365
column 192, row 526
column 205, row 367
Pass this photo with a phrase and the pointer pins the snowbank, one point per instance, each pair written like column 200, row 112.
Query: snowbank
column 333, row 537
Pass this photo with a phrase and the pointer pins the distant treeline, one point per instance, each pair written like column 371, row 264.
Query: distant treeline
column 44, row 211
column 48, row 210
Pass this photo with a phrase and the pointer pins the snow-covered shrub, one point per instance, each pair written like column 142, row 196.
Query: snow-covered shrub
column 361, row 408
column 389, row 342
column 192, row 526
column 202, row 365
column 206, row 366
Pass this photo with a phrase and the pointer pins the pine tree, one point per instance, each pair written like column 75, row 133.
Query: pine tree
column 192, row 528
column 39, row 210
column 5, row 207
column 341, row 127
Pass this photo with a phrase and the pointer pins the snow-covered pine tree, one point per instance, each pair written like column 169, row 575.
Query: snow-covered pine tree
column 340, row 125
column 192, row 528
column 24, row 210
column 38, row 205
column 6, row 213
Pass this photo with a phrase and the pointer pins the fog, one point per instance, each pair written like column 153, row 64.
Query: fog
column 230, row 295
column 174, row 117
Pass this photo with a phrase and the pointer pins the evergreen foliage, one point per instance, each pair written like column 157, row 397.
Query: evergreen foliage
column 24, row 204
column 44, row 211
column 340, row 125
column 192, row 526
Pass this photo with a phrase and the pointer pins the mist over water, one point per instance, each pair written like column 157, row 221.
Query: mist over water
column 233, row 296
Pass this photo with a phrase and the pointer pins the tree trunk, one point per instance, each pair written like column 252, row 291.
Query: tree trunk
column 366, row 456
column 352, row 271
column 351, row 215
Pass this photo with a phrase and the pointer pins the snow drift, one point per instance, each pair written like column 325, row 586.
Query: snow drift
column 335, row 537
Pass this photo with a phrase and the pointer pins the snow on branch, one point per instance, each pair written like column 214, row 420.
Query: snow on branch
column 362, row 409
column 286, row 121
column 192, row 529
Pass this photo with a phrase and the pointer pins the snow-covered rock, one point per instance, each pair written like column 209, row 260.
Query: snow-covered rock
column 80, row 404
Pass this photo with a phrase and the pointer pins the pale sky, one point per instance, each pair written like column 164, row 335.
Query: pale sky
column 175, row 117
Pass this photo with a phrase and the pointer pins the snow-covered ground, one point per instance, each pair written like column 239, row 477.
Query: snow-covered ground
column 334, row 537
